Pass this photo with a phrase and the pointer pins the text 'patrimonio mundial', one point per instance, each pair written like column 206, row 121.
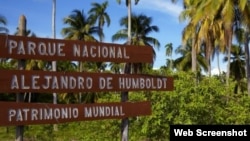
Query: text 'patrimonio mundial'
column 34, row 114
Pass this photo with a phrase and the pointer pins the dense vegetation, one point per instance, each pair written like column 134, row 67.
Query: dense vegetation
column 198, row 96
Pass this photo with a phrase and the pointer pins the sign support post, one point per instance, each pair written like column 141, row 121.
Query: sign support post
column 21, row 66
column 125, row 98
column 54, row 63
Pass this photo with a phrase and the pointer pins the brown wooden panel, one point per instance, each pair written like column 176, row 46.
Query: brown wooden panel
column 13, row 113
column 13, row 81
column 19, row 47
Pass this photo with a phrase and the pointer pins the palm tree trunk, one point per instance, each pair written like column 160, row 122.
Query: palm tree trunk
column 229, row 58
column 229, row 44
column 194, row 57
column 129, row 22
column 228, row 66
column 100, row 34
column 80, row 70
column 54, row 36
column 54, row 62
column 208, row 56
column 127, row 70
column 53, row 19
column 125, row 98
column 247, row 61
column 218, row 63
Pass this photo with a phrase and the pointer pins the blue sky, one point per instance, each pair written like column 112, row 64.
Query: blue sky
column 38, row 13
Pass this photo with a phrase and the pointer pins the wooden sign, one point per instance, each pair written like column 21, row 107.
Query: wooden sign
column 13, row 113
column 20, row 47
column 45, row 81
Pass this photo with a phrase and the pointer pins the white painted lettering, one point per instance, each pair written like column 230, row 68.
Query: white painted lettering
column 56, row 113
column 51, row 49
column 23, row 86
column 125, row 53
column 54, row 84
column 42, row 50
column 35, row 81
column 11, row 44
column 75, row 113
column 60, row 49
column 14, row 82
column 21, row 49
column 85, row 51
column 48, row 114
column 12, row 113
column 19, row 116
column 87, row 112
column 47, row 84
column 92, row 53
column 34, row 113
column 105, row 83
column 31, row 48
column 76, row 50
column 89, row 82
column 105, row 52
column 25, row 111
column 101, row 111
column 72, row 82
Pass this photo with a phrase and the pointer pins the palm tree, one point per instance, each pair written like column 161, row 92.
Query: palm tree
column 127, row 69
column 3, row 22
column 99, row 15
column 203, row 28
column 184, row 62
column 169, row 51
column 243, row 14
column 190, row 30
column 54, row 63
column 237, row 66
column 128, row 4
column 246, row 45
column 80, row 28
column 226, row 11
column 141, row 28
column 232, row 13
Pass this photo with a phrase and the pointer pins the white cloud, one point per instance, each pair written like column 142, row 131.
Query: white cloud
column 164, row 6
column 215, row 71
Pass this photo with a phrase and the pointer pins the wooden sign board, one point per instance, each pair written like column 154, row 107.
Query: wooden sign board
column 20, row 47
column 45, row 81
column 13, row 113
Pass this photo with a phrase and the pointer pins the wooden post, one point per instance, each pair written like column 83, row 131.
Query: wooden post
column 127, row 70
column 21, row 66
column 125, row 98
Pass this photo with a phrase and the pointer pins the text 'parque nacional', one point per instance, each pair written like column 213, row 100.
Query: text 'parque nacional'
column 20, row 47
